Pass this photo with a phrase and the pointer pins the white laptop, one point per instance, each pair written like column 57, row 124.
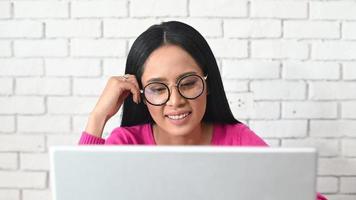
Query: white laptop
column 182, row 173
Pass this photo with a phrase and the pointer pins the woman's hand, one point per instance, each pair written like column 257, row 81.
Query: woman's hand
column 117, row 89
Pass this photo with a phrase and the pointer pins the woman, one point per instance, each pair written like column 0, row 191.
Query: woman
column 172, row 94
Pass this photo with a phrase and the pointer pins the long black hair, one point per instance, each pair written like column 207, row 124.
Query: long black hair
column 186, row 37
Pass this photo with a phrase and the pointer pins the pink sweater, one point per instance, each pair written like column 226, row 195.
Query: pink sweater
column 223, row 134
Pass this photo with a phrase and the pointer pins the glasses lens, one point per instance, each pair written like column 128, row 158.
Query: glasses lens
column 156, row 93
column 191, row 86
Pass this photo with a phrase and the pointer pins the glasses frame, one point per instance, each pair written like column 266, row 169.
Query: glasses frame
column 203, row 79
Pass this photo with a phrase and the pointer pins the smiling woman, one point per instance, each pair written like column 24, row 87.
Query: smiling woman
column 172, row 94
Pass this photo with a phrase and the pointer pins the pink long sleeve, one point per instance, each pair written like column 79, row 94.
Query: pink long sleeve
column 87, row 139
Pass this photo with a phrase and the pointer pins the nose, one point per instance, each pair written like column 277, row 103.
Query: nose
column 175, row 99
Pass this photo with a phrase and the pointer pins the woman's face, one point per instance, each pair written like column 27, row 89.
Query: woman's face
column 179, row 116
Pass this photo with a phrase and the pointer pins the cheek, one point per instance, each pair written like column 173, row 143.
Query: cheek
column 155, row 112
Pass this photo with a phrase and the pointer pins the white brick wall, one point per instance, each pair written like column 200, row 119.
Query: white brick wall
column 288, row 68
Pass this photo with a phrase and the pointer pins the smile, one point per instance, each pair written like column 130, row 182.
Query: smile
column 178, row 117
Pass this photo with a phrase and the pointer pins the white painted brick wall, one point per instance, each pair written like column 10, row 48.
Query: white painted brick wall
column 222, row 8
column 9, row 194
column 36, row 195
column 259, row 28
column 158, row 8
column 97, row 9
column 279, row 9
column 311, row 70
column 288, row 68
column 5, row 10
column 311, row 29
column 96, row 48
column 20, row 29
column 21, row 67
column 73, row 28
column 40, row 9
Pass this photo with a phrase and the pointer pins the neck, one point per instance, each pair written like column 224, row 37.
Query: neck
column 201, row 135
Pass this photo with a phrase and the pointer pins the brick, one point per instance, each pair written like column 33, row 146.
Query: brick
column 7, row 124
column 241, row 104
column 279, row 49
column 79, row 124
column 56, row 48
column 280, row 128
column 349, row 71
column 327, row 185
column 21, row 67
column 114, row 67
column 5, row 48
column 23, row 179
column 309, row 110
column 256, row 28
column 126, row 27
column 311, row 29
column 73, row 67
column 158, row 8
column 73, row 28
column 334, row 50
column 283, row 90
column 40, row 9
column 341, row 197
column 6, row 86
column 332, row 128
column 96, row 9
column 235, row 85
column 22, row 105
column 348, row 109
column 9, row 194
column 36, row 194
column 98, row 47
column 222, row 8
column 279, row 9
column 44, row 124
column 332, row 10
column 88, row 86
column 8, row 161
column 348, row 184
column 237, row 48
column 31, row 161
column 340, row 90
column 55, row 140
column 43, row 86
column 311, row 70
column 20, row 29
column 71, row 105
column 272, row 142
column 5, row 11
column 265, row 110
column 24, row 143
column 348, row 147
column 349, row 30
column 337, row 166
column 234, row 69
column 325, row 147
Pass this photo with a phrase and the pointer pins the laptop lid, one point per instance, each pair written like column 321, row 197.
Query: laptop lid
column 182, row 173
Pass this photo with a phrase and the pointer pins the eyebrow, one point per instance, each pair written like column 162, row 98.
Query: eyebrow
column 165, row 80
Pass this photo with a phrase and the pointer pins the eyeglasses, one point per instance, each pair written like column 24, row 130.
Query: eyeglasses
column 189, row 87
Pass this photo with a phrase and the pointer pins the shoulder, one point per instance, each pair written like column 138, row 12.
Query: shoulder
column 237, row 134
column 139, row 134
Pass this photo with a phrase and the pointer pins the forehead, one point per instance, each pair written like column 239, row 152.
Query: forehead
column 168, row 62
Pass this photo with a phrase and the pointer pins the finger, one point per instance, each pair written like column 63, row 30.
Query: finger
column 132, row 79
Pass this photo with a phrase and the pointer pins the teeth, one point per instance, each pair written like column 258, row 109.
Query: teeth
column 176, row 117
